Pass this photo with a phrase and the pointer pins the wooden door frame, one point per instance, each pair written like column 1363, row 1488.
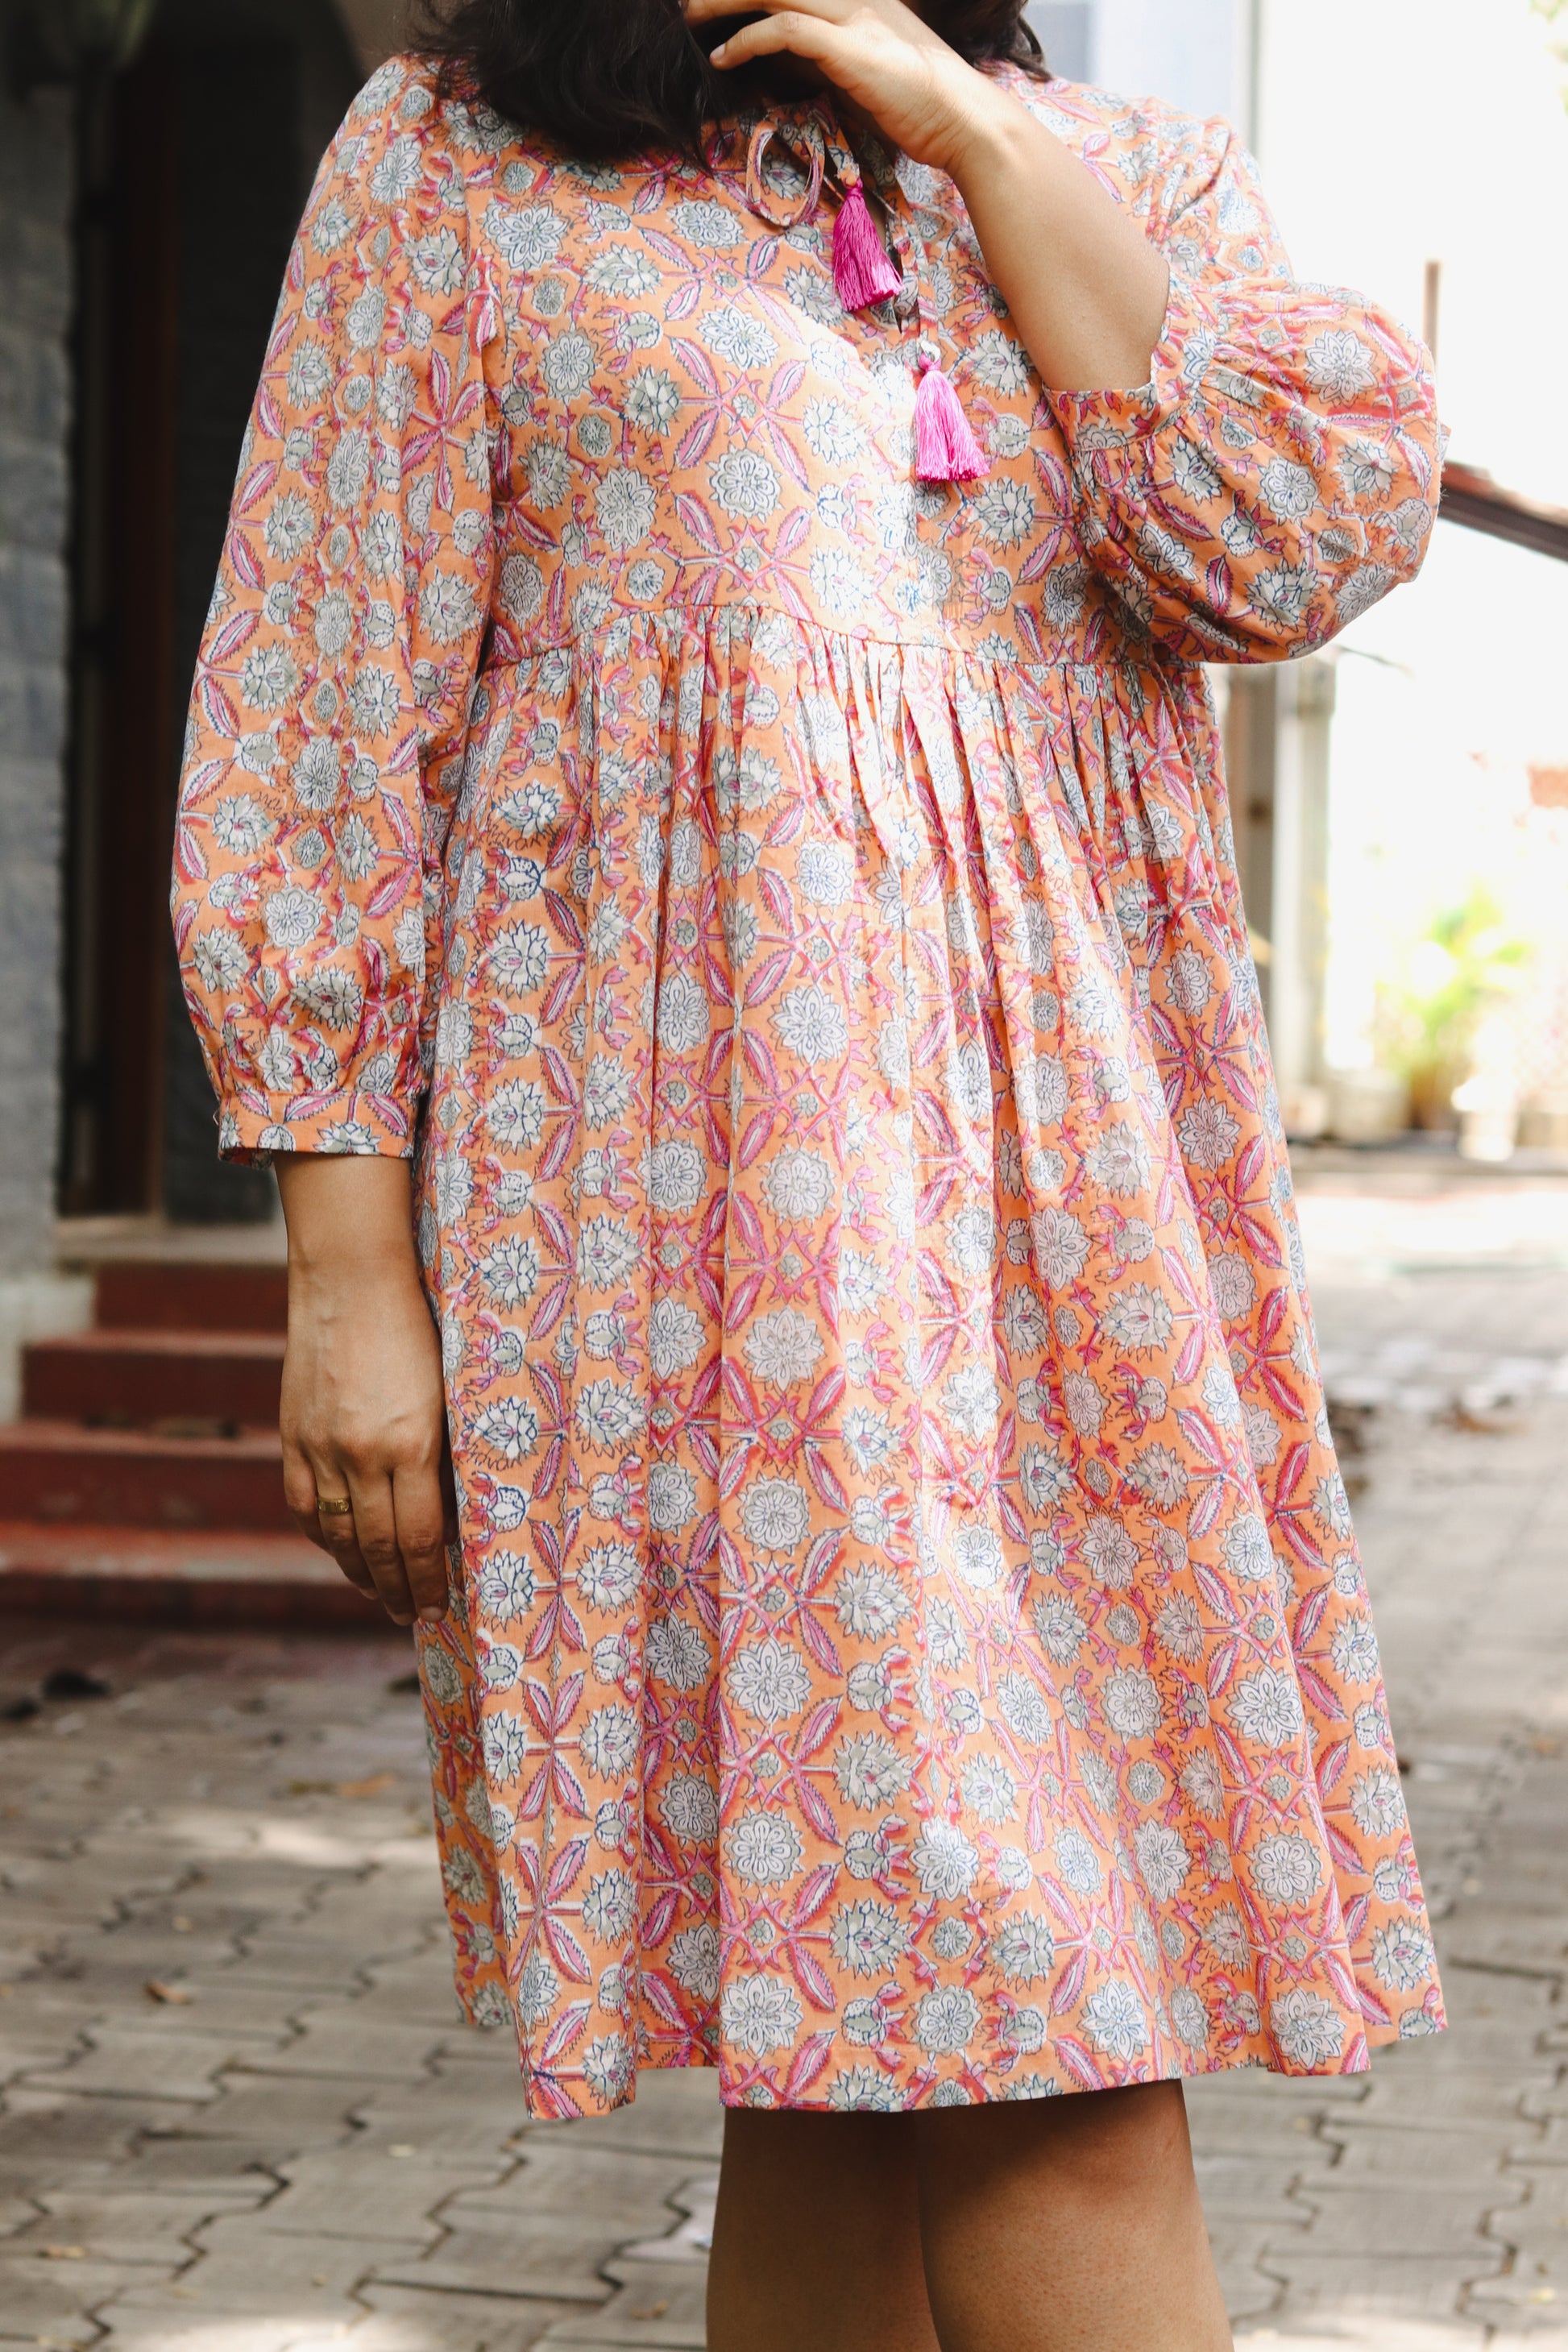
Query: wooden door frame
column 123, row 739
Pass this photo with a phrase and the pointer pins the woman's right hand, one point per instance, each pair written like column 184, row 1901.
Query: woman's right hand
column 364, row 1415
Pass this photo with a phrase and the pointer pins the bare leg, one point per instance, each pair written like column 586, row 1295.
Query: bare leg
column 1066, row 2225
column 816, row 2243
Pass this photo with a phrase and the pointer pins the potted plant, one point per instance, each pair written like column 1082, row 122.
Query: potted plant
column 1464, row 967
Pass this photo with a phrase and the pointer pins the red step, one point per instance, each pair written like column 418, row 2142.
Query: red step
column 59, row 1473
column 137, row 1377
column 260, row 1582
column 184, row 1295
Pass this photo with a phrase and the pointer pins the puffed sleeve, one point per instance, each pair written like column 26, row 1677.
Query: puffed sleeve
column 1279, row 472
column 328, row 715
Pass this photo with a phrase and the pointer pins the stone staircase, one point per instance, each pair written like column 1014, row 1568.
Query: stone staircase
column 145, row 1477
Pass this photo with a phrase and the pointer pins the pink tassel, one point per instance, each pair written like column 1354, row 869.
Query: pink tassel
column 945, row 448
column 862, row 272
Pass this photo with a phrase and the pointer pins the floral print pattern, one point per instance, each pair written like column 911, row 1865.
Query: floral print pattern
column 908, row 1645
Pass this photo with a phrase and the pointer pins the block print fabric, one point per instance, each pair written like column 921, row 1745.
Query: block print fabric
column 908, row 1645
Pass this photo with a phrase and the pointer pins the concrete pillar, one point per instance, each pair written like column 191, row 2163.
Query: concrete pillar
column 36, row 185
column 1250, row 702
column 1300, row 884
column 36, row 174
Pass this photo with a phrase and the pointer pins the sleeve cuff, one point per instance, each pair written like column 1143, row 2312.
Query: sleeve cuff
column 1114, row 422
column 255, row 1131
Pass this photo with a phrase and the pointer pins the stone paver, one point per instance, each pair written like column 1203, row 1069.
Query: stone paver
column 295, row 2143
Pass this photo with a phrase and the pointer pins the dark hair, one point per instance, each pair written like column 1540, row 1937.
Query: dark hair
column 611, row 78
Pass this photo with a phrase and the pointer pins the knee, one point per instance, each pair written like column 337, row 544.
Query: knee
column 1124, row 2140
column 1099, row 2147
column 830, row 2162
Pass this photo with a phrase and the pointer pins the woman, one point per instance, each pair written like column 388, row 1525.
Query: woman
column 701, row 762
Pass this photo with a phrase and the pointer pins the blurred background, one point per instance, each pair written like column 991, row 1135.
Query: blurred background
column 1401, row 808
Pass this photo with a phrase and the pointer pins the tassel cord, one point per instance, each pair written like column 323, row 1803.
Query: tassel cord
column 865, row 273
column 946, row 447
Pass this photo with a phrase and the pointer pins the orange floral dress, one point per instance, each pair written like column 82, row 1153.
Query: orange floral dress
column 908, row 1642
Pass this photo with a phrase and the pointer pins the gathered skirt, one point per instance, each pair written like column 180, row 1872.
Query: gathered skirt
column 908, row 1645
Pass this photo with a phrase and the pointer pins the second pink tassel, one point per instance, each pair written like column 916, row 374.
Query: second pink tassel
column 945, row 448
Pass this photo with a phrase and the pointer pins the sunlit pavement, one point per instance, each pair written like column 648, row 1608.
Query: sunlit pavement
column 239, row 2114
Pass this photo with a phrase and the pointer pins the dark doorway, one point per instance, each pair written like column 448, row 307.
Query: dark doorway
column 195, row 163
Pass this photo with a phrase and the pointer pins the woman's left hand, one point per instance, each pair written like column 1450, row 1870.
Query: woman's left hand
column 921, row 94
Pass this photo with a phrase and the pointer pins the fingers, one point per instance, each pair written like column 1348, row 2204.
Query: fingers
column 702, row 11
column 374, row 1525
column 420, row 1511
column 801, row 36
column 392, row 1547
column 337, row 1537
column 303, row 1486
column 305, row 1482
column 300, row 1494
column 337, row 1532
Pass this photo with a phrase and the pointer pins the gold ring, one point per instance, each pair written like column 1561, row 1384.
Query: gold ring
column 334, row 1506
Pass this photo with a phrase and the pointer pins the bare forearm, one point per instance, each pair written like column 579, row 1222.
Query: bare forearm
column 346, row 1214
column 1086, row 288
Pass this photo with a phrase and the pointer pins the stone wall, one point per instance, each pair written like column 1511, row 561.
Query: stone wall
column 35, row 179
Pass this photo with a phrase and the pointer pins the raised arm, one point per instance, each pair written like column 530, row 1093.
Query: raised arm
column 1279, row 470
column 1084, row 284
column 1255, row 461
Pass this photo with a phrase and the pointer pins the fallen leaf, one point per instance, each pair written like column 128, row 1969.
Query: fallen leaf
column 1546, row 1744
column 378, row 1785
column 1479, row 1424
column 402, row 2147
column 654, row 2311
column 175, row 1993
column 182, row 1926
column 64, row 2253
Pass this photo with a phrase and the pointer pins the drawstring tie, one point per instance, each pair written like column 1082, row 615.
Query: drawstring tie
column 864, row 272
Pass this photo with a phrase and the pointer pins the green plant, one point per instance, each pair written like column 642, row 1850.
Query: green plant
column 1554, row 11
column 1467, row 963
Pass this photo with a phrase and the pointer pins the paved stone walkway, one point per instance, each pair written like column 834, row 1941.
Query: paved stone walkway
column 239, row 2116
